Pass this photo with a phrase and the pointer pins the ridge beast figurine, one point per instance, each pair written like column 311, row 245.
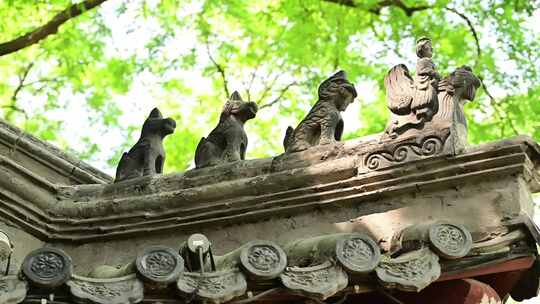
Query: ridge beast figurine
column 147, row 156
column 228, row 141
column 323, row 124
column 426, row 99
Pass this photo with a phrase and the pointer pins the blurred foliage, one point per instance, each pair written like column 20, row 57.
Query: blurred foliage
column 187, row 55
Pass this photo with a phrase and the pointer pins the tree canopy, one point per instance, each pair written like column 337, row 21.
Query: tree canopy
column 104, row 64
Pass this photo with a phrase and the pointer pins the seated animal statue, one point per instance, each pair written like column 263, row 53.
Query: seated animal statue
column 228, row 141
column 323, row 124
column 147, row 156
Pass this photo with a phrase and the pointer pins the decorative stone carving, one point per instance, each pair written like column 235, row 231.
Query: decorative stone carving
column 160, row 264
column 404, row 151
column 358, row 253
column 123, row 290
column 12, row 290
column 320, row 281
column 228, row 141
column 450, row 241
column 147, row 156
column 453, row 91
column 47, row 267
column 263, row 259
column 323, row 124
column 6, row 248
column 412, row 271
column 213, row 287
column 425, row 100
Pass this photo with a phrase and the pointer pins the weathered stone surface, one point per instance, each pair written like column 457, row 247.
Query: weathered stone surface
column 320, row 281
column 147, row 156
column 47, row 267
column 327, row 189
column 122, row 290
column 213, row 287
column 331, row 196
column 12, row 290
column 323, row 125
column 228, row 141
column 412, row 271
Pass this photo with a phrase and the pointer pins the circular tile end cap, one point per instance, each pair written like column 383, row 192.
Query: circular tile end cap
column 159, row 264
column 358, row 253
column 47, row 267
column 450, row 241
column 263, row 260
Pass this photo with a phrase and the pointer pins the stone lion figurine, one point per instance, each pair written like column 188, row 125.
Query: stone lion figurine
column 323, row 124
column 147, row 156
column 228, row 141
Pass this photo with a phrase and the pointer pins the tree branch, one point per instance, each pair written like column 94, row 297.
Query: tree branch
column 220, row 69
column 471, row 27
column 21, row 85
column 409, row 10
column 48, row 28
column 497, row 109
column 376, row 9
column 15, row 109
column 279, row 97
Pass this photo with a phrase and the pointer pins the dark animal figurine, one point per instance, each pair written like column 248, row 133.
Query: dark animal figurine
column 323, row 124
column 147, row 156
column 228, row 141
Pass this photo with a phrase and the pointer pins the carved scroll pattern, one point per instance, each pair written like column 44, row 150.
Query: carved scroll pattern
column 321, row 281
column 410, row 272
column 429, row 146
column 211, row 285
column 107, row 291
column 102, row 291
column 217, row 287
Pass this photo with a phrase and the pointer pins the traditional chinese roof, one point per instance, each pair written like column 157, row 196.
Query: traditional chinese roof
column 332, row 221
column 25, row 154
column 412, row 213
